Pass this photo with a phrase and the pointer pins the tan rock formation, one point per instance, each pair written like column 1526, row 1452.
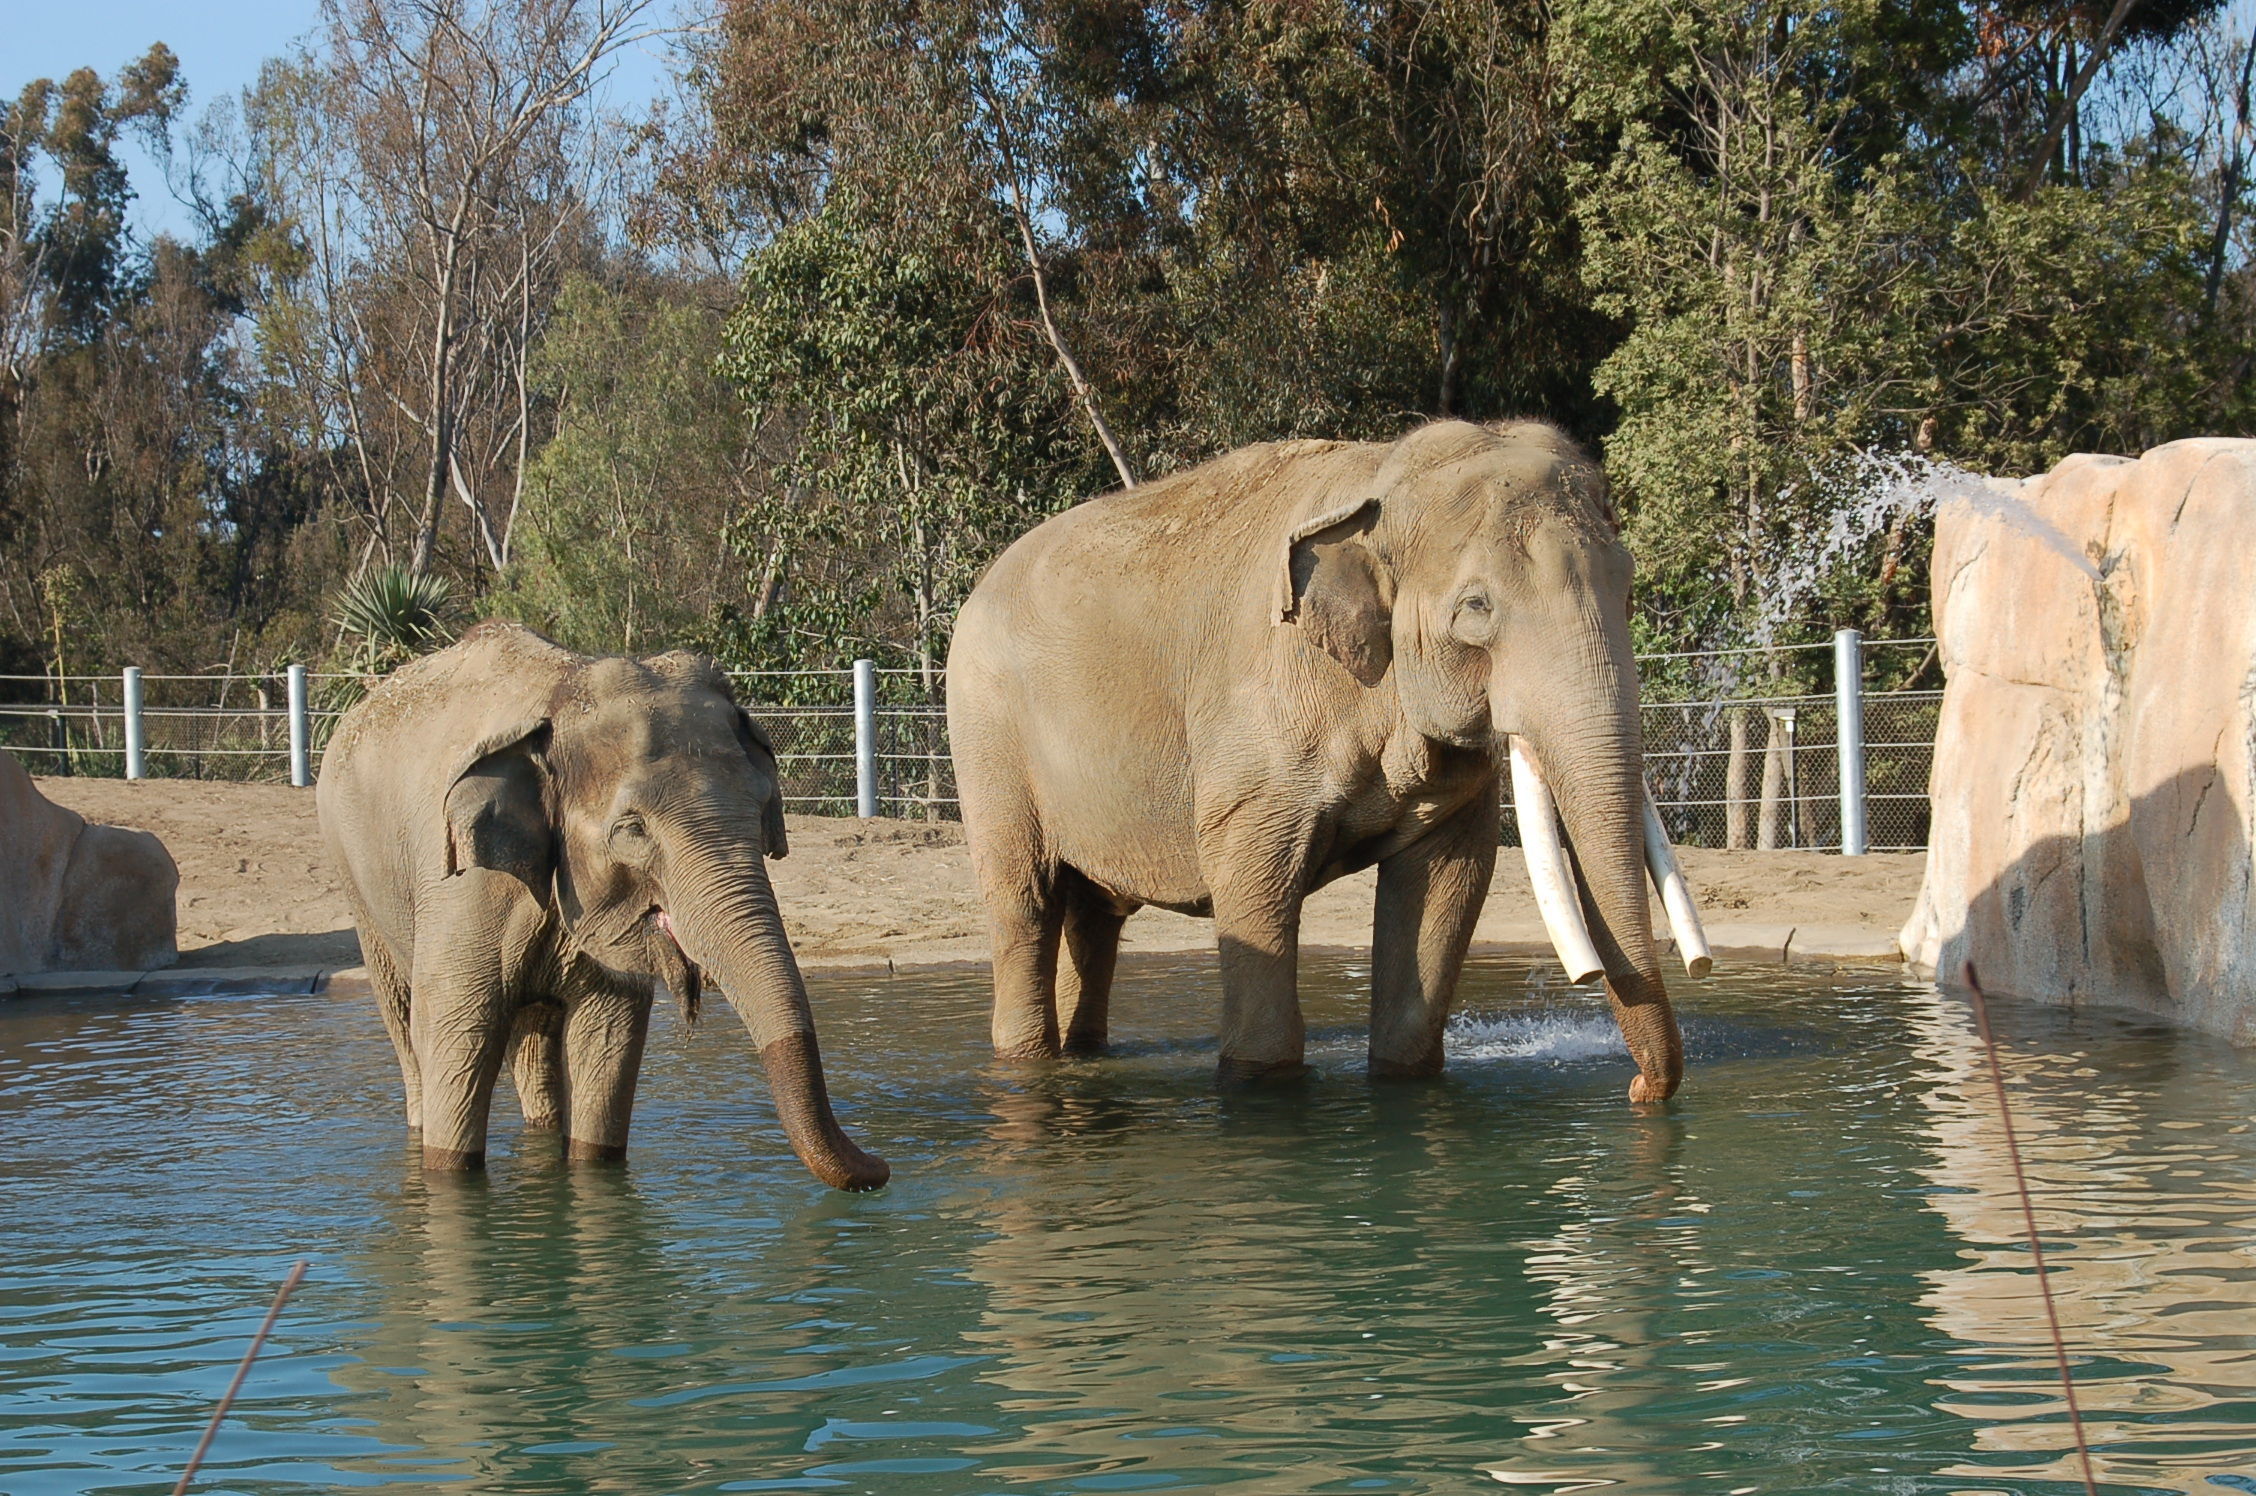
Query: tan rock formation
column 74, row 896
column 2095, row 770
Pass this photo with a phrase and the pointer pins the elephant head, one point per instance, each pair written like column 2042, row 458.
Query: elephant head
column 1484, row 574
column 639, row 805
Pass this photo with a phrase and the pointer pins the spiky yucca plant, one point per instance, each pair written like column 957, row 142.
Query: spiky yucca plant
column 393, row 615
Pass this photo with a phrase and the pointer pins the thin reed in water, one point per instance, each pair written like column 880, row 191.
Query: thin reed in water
column 258, row 1343
column 2029, row 1220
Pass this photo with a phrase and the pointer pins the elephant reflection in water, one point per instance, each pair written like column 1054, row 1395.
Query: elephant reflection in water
column 503, row 1311
column 1598, row 1279
column 1149, row 1278
column 2158, row 1279
column 473, row 1279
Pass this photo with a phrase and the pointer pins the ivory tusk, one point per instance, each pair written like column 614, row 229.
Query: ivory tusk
column 1556, row 897
column 1676, row 894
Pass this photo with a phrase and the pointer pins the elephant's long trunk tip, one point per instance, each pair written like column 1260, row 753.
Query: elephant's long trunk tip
column 794, row 1068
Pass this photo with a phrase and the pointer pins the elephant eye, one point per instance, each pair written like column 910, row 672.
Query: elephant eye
column 1476, row 603
column 629, row 828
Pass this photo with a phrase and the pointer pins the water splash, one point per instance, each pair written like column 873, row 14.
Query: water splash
column 1867, row 495
column 1560, row 1036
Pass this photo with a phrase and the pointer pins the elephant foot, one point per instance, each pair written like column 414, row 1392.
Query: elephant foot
column 1026, row 1054
column 452, row 1160
column 1234, row 1074
column 1086, row 1046
column 582, row 1152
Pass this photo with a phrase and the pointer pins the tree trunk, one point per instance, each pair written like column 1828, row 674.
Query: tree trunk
column 2072, row 97
column 1771, row 820
column 2228, row 193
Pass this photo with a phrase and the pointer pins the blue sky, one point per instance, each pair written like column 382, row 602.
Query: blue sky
column 220, row 46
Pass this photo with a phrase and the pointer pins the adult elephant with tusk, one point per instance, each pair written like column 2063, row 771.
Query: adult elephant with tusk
column 1218, row 692
column 531, row 838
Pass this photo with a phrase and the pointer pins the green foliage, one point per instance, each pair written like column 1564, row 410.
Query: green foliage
column 1803, row 276
column 621, row 542
column 393, row 615
column 913, row 429
column 1745, row 249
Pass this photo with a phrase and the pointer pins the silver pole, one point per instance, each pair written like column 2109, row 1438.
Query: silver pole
column 136, row 741
column 1793, row 779
column 865, row 738
column 1848, row 700
column 301, row 730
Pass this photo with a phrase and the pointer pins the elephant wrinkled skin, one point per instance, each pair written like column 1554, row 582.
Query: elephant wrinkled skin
column 529, row 838
column 1218, row 692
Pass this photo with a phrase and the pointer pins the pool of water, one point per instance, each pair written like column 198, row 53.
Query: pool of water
column 1807, row 1276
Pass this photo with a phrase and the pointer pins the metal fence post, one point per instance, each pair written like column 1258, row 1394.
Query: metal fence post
column 301, row 730
column 1848, row 701
column 865, row 738
column 136, row 740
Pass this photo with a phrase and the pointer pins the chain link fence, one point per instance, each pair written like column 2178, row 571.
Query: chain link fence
column 1754, row 758
column 1742, row 748
column 191, row 726
column 809, row 716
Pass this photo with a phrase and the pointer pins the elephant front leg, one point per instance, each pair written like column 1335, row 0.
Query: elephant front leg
column 461, row 1028
column 536, row 1062
column 604, row 1034
column 1263, row 1036
column 1430, row 895
column 478, row 936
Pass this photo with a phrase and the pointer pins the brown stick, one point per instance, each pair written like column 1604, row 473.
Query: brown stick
column 258, row 1343
column 2029, row 1220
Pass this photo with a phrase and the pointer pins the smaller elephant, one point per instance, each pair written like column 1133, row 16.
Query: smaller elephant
column 75, row 896
column 530, row 839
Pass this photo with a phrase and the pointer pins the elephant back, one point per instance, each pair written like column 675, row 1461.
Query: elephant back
column 443, row 704
column 394, row 755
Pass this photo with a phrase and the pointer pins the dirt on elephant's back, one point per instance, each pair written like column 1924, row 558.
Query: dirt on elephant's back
column 256, row 887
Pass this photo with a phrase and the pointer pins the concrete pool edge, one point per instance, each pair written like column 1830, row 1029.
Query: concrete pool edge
column 1735, row 945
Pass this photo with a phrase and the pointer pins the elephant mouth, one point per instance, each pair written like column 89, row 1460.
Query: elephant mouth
column 671, row 964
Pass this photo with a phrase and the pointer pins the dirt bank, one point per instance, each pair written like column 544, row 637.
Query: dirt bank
column 256, row 888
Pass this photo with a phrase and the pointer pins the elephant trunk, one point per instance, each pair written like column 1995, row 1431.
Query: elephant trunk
column 1591, row 751
column 731, row 927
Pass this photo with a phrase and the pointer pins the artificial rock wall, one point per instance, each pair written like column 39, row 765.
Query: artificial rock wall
column 2095, row 769
column 78, row 897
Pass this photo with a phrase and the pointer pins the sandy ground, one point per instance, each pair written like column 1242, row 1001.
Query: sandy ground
column 256, row 888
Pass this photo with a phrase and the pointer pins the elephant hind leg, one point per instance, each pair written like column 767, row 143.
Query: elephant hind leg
column 1025, row 913
column 395, row 1002
column 1092, row 949
column 536, row 1064
column 1024, row 926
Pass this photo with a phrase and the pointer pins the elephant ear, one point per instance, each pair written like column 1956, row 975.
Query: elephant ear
column 763, row 756
column 1334, row 587
column 497, row 807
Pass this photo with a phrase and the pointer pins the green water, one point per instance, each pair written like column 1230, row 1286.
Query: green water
column 1806, row 1277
